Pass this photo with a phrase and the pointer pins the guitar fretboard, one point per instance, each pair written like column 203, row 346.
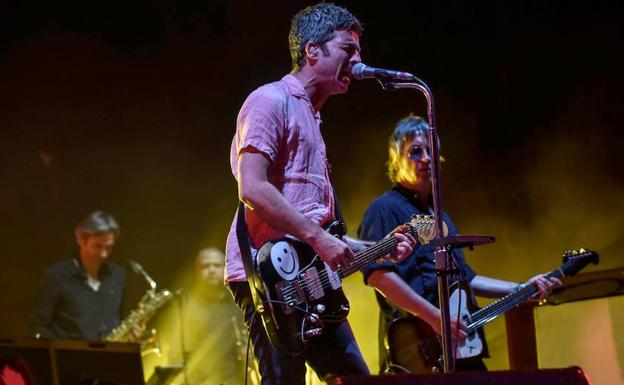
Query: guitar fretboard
column 365, row 257
column 493, row 310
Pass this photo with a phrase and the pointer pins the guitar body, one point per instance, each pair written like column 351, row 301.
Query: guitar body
column 414, row 347
column 462, row 301
column 298, row 293
column 299, row 296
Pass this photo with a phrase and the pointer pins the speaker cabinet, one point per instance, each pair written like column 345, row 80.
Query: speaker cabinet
column 567, row 376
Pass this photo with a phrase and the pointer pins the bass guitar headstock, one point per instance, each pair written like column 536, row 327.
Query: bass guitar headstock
column 575, row 260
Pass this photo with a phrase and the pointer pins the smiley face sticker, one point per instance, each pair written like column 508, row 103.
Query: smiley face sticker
column 285, row 260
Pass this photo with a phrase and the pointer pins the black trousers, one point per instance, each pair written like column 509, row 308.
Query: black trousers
column 333, row 352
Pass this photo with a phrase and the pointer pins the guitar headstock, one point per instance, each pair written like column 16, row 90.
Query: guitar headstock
column 424, row 228
column 575, row 260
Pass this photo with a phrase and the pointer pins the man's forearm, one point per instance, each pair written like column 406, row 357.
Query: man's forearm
column 491, row 287
column 399, row 293
column 271, row 206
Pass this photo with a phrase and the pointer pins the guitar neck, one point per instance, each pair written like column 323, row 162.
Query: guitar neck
column 367, row 256
column 364, row 257
column 493, row 310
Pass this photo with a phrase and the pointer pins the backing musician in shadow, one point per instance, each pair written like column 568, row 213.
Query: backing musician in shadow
column 81, row 297
column 213, row 329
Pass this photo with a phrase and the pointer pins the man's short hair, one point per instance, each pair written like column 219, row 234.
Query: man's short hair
column 97, row 222
column 406, row 129
column 317, row 24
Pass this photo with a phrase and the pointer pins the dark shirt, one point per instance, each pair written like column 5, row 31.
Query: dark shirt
column 393, row 208
column 67, row 307
column 213, row 335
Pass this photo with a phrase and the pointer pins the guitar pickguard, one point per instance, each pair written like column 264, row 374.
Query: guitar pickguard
column 285, row 260
column 473, row 345
column 301, row 291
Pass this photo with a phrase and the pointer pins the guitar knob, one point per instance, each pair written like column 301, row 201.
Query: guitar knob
column 320, row 308
column 313, row 318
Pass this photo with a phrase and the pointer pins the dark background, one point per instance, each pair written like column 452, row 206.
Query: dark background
column 130, row 107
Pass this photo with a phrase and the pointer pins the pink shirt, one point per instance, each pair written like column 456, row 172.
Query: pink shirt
column 278, row 120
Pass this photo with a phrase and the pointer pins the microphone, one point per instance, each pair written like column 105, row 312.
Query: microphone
column 139, row 270
column 362, row 71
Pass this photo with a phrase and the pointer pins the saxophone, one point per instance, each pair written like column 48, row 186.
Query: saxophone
column 148, row 306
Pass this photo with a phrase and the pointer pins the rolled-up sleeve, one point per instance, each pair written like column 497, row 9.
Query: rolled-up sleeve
column 261, row 124
column 376, row 224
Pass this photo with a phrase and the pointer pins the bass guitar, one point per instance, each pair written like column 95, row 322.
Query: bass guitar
column 414, row 347
column 298, row 295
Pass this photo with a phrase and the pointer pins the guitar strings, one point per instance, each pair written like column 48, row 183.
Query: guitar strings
column 484, row 315
column 382, row 247
column 361, row 259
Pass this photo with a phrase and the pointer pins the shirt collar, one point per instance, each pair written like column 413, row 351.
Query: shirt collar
column 296, row 89
column 411, row 196
column 80, row 271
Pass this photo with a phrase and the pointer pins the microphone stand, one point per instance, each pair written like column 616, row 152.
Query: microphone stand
column 441, row 253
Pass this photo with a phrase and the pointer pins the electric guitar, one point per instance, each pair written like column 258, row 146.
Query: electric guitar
column 414, row 347
column 298, row 295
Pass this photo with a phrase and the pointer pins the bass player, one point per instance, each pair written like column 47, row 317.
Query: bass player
column 411, row 285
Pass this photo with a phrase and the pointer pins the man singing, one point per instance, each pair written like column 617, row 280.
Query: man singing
column 278, row 158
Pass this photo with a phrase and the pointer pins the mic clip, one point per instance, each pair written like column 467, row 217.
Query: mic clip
column 387, row 85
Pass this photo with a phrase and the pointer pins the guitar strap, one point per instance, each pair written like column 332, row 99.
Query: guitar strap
column 337, row 213
column 244, row 246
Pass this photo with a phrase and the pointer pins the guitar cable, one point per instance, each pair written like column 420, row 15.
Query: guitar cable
column 306, row 313
column 253, row 319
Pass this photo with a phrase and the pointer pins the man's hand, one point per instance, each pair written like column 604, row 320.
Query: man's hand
column 405, row 244
column 332, row 250
column 544, row 285
column 458, row 327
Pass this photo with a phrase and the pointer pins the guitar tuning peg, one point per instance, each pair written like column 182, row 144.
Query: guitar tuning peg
column 582, row 250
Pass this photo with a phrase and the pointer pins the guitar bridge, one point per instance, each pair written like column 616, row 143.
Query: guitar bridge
column 290, row 294
column 312, row 282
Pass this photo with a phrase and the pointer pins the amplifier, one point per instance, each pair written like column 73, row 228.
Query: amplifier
column 566, row 376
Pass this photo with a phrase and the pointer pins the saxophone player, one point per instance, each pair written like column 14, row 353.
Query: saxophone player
column 81, row 297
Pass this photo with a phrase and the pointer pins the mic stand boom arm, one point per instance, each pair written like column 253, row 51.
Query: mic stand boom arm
column 442, row 256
